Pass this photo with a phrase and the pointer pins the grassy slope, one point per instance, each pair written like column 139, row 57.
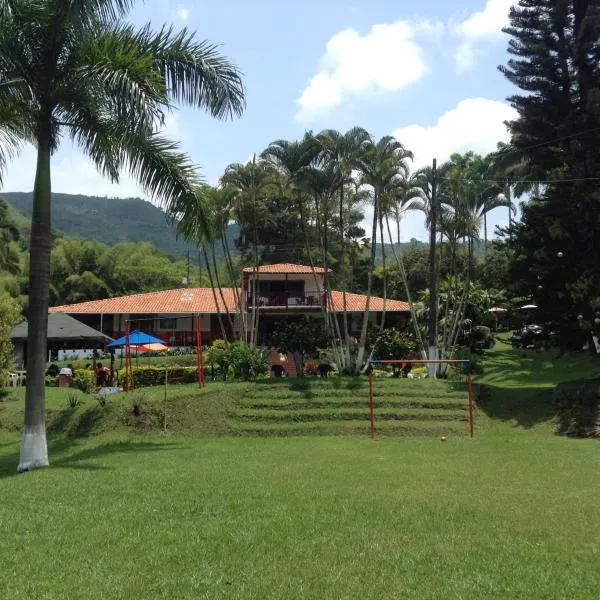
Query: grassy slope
column 509, row 514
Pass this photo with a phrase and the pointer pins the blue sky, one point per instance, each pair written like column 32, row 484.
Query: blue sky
column 423, row 71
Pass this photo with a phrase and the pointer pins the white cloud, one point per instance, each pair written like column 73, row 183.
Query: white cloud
column 474, row 124
column 386, row 59
column 182, row 13
column 483, row 25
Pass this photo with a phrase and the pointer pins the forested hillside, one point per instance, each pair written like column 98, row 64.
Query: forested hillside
column 111, row 221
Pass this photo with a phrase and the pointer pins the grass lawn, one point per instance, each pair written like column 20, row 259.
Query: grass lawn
column 126, row 512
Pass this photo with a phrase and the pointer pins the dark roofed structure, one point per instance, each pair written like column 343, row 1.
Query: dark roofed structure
column 62, row 328
column 64, row 333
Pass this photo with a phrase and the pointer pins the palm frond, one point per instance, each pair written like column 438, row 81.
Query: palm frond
column 89, row 12
column 195, row 73
column 163, row 172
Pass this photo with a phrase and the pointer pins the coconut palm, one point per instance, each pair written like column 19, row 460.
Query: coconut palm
column 75, row 68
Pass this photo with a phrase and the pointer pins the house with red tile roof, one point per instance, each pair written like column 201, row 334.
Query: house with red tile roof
column 276, row 292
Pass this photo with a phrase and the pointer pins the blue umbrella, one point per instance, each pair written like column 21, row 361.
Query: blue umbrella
column 136, row 338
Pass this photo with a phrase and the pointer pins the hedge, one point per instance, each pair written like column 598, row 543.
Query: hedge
column 149, row 376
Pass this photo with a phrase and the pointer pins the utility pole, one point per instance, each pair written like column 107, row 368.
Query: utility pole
column 433, row 291
column 199, row 270
column 188, row 266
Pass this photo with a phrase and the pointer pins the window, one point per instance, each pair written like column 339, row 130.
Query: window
column 167, row 324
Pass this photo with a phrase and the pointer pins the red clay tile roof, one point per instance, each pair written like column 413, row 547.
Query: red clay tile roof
column 358, row 303
column 283, row 268
column 201, row 300
column 180, row 301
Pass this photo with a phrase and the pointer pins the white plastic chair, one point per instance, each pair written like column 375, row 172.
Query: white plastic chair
column 14, row 379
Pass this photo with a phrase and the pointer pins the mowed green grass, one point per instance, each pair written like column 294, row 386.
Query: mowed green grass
column 304, row 517
column 126, row 512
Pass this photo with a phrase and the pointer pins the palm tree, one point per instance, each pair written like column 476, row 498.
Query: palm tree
column 251, row 181
column 222, row 201
column 196, row 223
column 342, row 152
column 74, row 67
column 383, row 167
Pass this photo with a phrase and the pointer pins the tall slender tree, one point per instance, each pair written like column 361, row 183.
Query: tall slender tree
column 383, row 167
column 74, row 67
column 343, row 152
column 251, row 180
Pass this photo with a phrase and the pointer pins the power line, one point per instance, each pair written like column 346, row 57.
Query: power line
column 533, row 181
column 512, row 149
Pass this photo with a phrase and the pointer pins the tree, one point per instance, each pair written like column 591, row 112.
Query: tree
column 9, row 257
column 342, row 153
column 251, row 181
column 555, row 52
column 383, row 167
column 301, row 337
column 74, row 67
column 10, row 311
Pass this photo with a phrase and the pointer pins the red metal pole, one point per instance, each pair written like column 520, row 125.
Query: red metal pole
column 127, row 357
column 470, row 388
column 199, row 355
column 371, row 405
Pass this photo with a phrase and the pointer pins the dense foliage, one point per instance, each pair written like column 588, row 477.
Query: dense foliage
column 9, row 316
column 555, row 48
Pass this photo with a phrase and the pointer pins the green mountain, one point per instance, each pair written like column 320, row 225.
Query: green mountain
column 112, row 220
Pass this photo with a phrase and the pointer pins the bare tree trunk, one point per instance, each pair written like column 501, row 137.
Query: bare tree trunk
column 363, row 334
column 34, row 449
column 433, row 279
column 236, row 290
column 342, row 272
column 217, row 279
column 330, row 314
column 255, row 313
column 214, row 293
column 413, row 315
column 382, row 324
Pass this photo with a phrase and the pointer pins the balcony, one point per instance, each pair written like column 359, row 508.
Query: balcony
column 293, row 300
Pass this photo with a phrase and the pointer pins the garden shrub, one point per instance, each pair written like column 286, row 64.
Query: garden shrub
column 392, row 344
column 84, row 380
column 246, row 362
column 51, row 381
column 151, row 376
column 237, row 360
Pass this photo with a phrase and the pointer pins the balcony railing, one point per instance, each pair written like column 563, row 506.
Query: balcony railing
column 288, row 300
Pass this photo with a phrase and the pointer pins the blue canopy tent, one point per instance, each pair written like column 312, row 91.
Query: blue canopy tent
column 136, row 338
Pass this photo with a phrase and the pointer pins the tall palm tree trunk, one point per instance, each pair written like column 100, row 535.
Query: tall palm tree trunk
column 214, row 292
column 342, row 272
column 363, row 334
column 485, row 236
column 34, row 449
column 382, row 324
column 236, row 290
column 413, row 315
column 220, row 288
column 330, row 314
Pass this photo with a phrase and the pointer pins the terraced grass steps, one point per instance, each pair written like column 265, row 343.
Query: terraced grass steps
column 339, row 406
column 280, row 416
column 304, row 403
column 397, row 428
